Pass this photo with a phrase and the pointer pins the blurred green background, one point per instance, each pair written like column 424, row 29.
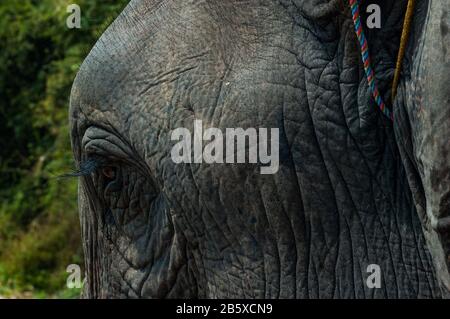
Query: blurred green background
column 39, row 58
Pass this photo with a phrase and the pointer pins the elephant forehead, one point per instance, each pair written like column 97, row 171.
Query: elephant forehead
column 147, row 55
column 157, row 68
column 136, row 52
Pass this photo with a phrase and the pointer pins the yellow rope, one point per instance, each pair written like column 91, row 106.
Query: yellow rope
column 403, row 42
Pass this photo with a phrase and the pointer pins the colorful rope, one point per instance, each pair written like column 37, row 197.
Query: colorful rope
column 354, row 5
column 403, row 42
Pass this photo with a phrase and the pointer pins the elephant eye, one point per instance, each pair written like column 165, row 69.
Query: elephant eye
column 109, row 172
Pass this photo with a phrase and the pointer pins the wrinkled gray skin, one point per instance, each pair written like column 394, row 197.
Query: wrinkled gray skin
column 353, row 189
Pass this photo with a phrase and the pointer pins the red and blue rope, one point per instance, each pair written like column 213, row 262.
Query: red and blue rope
column 364, row 47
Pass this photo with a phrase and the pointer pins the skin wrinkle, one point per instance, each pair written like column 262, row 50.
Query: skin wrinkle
column 350, row 192
column 198, row 191
column 363, row 157
column 350, row 59
column 160, row 80
column 351, row 255
column 306, row 229
column 421, row 262
column 151, row 262
column 354, row 206
column 337, row 253
column 317, row 143
column 118, row 250
column 128, row 284
column 216, row 223
column 281, row 271
column 309, row 220
column 203, row 266
column 197, row 236
column 251, row 235
column 429, row 273
column 276, row 250
column 249, row 270
column 146, row 276
column 263, row 218
column 216, row 106
column 327, row 171
column 91, row 249
column 126, row 148
column 283, row 133
column 243, row 266
column 310, row 227
column 263, row 272
column 387, row 240
column 401, row 250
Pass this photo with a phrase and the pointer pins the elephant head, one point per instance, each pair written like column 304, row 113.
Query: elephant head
column 345, row 197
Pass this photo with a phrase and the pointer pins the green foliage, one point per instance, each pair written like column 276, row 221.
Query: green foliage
column 39, row 58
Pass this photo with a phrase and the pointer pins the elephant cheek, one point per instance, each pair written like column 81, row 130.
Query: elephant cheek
column 89, row 232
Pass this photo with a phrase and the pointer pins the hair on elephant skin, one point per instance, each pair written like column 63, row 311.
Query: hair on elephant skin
column 352, row 188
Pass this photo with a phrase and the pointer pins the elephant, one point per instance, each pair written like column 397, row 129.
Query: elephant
column 354, row 192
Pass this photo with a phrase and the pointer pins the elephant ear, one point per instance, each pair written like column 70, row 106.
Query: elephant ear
column 422, row 124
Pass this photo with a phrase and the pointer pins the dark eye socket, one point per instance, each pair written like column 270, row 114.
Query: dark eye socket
column 109, row 172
